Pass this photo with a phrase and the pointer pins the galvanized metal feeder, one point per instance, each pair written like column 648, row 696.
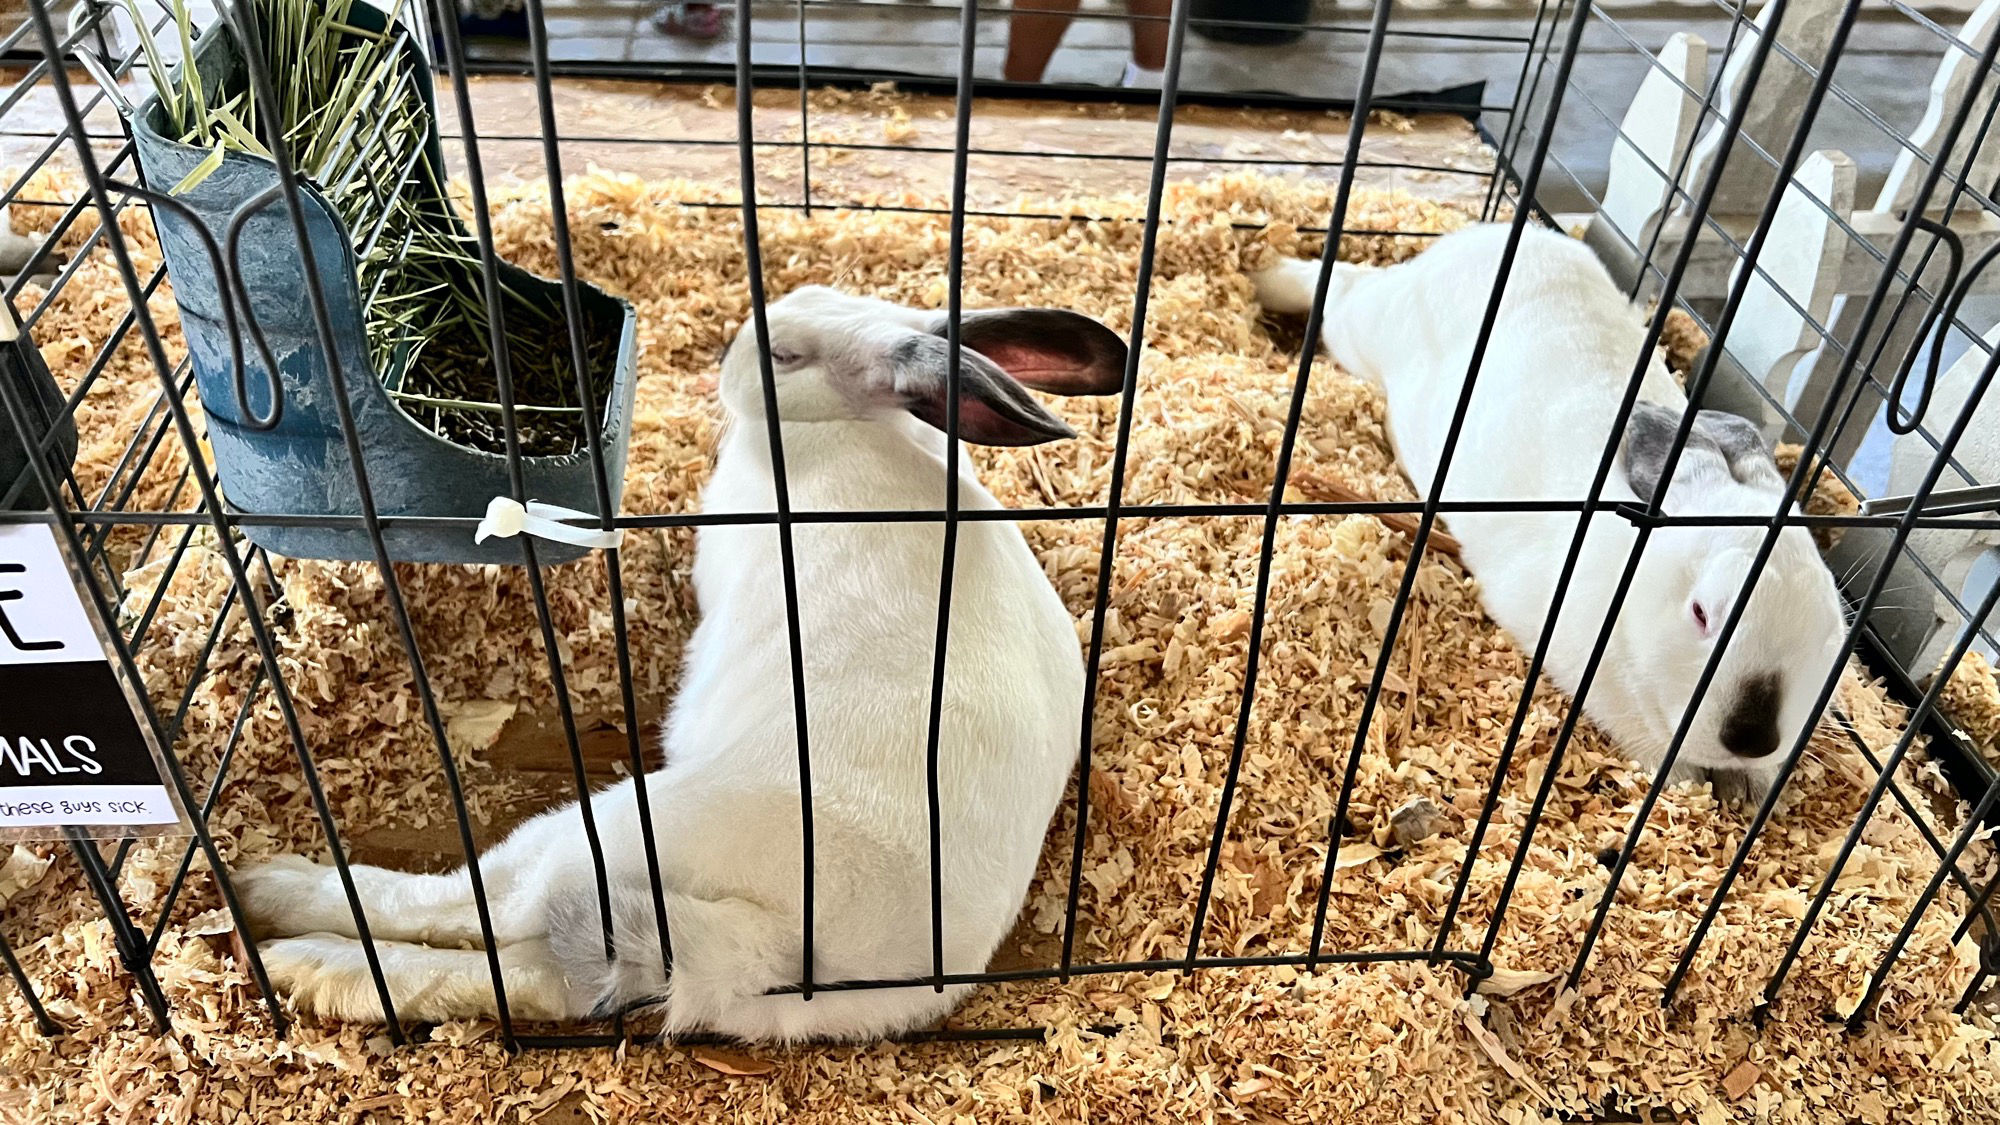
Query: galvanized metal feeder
column 300, row 465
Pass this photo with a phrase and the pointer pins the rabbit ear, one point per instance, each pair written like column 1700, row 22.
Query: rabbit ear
column 1649, row 435
column 1742, row 446
column 992, row 408
column 1053, row 350
column 1717, row 444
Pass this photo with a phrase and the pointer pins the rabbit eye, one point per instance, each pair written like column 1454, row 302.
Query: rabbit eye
column 1700, row 613
column 785, row 357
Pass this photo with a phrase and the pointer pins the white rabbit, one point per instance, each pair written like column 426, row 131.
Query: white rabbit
column 1561, row 355
column 854, row 376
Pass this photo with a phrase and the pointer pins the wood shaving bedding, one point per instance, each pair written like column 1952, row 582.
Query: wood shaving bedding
column 1391, row 1043
column 1972, row 699
column 1681, row 341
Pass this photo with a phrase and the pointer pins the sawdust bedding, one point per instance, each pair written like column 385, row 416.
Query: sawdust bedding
column 1385, row 1043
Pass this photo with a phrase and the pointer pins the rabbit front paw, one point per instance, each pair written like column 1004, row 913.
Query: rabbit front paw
column 291, row 895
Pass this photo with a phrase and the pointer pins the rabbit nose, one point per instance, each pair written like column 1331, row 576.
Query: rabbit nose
column 1750, row 730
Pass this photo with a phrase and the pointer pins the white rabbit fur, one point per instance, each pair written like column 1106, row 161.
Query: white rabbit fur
column 1560, row 357
column 726, row 804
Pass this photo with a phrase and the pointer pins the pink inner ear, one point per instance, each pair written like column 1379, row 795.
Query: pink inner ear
column 1030, row 366
column 980, row 424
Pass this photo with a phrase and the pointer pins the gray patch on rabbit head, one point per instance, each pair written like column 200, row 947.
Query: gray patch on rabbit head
column 1719, row 439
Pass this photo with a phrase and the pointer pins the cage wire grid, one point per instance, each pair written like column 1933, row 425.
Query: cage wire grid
column 1521, row 133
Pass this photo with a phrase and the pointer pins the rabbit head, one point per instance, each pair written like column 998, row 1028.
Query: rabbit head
column 838, row 356
column 1762, row 694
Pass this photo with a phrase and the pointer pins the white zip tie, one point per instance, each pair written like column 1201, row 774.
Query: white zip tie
column 506, row 518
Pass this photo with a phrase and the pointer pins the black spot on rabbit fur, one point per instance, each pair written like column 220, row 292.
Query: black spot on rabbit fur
column 1751, row 727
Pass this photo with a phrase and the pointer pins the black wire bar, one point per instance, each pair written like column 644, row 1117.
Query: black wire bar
column 1527, row 156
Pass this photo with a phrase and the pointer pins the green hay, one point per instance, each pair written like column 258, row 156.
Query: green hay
column 356, row 125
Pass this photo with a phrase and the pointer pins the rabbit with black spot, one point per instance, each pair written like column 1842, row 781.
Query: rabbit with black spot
column 1542, row 411
column 861, row 388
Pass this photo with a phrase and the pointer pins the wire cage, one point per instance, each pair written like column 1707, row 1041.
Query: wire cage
column 1700, row 171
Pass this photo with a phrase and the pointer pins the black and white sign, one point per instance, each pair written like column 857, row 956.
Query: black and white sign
column 72, row 753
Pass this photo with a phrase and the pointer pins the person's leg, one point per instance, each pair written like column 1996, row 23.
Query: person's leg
column 1033, row 30
column 1148, row 65
column 1149, row 32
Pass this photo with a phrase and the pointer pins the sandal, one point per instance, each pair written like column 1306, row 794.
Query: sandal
column 493, row 21
column 690, row 20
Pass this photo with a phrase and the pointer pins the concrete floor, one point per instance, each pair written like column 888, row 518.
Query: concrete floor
column 1431, row 46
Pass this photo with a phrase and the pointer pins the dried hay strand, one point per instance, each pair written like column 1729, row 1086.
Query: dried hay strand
column 1390, row 1043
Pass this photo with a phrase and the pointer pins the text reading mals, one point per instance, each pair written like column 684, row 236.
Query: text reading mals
column 39, row 757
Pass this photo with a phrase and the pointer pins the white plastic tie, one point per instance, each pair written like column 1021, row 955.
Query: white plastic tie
column 506, row 518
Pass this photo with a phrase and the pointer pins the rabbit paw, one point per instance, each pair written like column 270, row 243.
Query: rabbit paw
column 288, row 895
column 1741, row 788
column 324, row 974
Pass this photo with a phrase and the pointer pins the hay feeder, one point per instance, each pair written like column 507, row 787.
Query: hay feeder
column 276, row 433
